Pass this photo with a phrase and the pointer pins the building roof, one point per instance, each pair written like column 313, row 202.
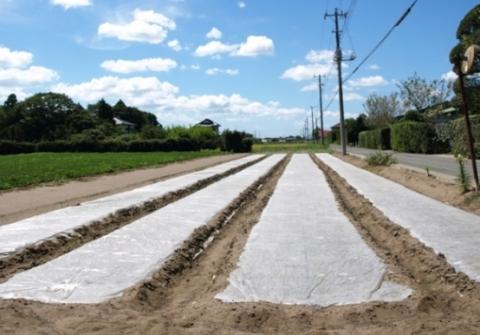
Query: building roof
column 208, row 123
column 120, row 122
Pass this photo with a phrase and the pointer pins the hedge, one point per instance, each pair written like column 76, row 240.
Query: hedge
column 416, row 137
column 375, row 139
column 236, row 141
column 459, row 137
column 180, row 144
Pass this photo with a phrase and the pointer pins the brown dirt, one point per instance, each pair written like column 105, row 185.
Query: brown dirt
column 23, row 203
column 441, row 190
column 42, row 252
column 179, row 299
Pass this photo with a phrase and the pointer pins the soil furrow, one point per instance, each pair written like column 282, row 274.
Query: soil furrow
column 60, row 244
column 439, row 288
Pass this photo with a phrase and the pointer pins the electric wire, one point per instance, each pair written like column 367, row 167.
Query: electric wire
column 377, row 46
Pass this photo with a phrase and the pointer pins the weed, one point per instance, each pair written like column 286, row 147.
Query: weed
column 380, row 158
column 463, row 178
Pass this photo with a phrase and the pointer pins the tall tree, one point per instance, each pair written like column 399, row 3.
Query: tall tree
column 381, row 110
column 419, row 94
column 11, row 102
column 468, row 33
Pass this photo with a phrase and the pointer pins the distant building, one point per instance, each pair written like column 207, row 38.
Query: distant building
column 209, row 124
column 125, row 125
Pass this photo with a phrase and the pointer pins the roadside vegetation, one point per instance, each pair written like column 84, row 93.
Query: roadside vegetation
column 422, row 116
column 51, row 122
column 32, row 169
column 380, row 159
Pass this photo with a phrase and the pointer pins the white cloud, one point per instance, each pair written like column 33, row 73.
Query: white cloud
column 310, row 87
column 214, row 71
column 319, row 63
column 138, row 91
column 17, row 59
column 214, row 48
column 449, row 76
column 252, row 47
column 142, row 65
column 147, row 26
column 306, row 72
column 32, row 75
column 195, row 67
column 67, row 4
column 214, row 34
column 256, row 46
column 352, row 96
column 320, row 56
column 367, row 82
column 175, row 45
column 163, row 98
column 374, row 67
column 17, row 74
column 241, row 4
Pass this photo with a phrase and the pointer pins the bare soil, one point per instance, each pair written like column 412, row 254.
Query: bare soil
column 22, row 203
column 448, row 193
column 180, row 297
column 64, row 242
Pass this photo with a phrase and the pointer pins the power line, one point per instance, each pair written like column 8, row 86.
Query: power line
column 377, row 46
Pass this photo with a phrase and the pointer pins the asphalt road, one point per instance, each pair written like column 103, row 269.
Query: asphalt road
column 444, row 164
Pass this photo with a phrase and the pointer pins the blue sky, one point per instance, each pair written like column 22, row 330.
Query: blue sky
column 246, row 64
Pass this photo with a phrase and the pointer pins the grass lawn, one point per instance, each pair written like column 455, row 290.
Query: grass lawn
column 289, row 147
column 30, row 169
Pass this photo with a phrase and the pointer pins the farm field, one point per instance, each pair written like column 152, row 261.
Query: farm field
column 270, row 244
column 289, row 147
column 32, row 169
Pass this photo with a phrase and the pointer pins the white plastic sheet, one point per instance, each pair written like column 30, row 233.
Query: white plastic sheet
column 38, row 228
column 104, row 268
column 305, row 251
column 446, row 229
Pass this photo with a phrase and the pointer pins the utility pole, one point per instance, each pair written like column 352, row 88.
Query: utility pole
column 339, row 59
column 471, row 140
column 320, row 98
column 313, row 124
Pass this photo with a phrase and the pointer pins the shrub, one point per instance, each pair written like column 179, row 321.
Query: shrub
column 459, row 137
column 55, row 146
column 416, row 137
column 380, row 158
column 236, row 141
column 413, row 116
column 375, row 139
column 463, row 177
column 11, row 147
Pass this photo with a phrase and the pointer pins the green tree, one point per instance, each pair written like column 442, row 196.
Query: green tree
column 468, row 33
column 45, row 116
column 102, row 110
column 11, row 102
column 419, row 94
column 381, row 110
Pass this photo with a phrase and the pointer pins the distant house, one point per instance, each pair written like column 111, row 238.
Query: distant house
column 125, row 125
column 209, row 124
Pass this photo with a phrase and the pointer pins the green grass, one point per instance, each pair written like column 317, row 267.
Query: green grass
column 31, row 169
column 289, row 147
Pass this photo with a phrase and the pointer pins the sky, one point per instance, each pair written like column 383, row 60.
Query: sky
column 248, row 65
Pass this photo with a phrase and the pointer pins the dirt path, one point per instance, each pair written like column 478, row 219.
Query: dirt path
column 180, row 298
column 19, row 204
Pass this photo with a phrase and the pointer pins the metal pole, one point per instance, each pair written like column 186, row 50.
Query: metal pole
column 338, row 58
column 321, row 108
column 471, row 140
column 313, row 124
